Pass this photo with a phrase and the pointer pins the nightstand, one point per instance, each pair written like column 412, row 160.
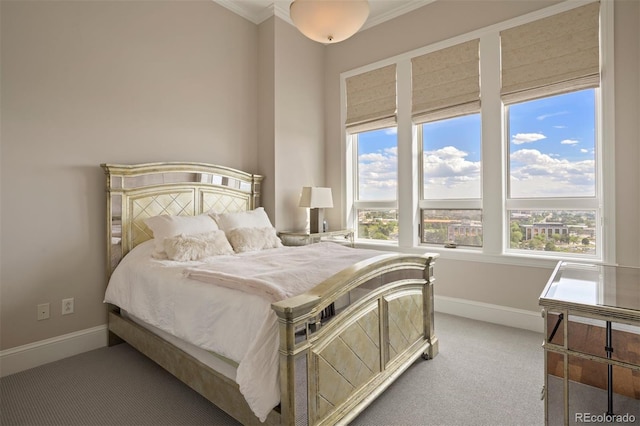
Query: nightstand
column 302, row 238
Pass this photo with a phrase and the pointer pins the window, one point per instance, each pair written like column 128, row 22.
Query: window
column 550, row 78
column 498, row 147
column 377, row 184
column 445, row 107
column 451, row 180
column 371, row 122
column 552, row 203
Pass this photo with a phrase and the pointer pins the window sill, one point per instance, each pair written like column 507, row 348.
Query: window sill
column 476, row 255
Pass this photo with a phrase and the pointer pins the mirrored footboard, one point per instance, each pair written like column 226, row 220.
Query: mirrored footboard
column 352, row 336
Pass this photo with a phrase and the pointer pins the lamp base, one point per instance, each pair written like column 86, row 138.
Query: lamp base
column 316, row 219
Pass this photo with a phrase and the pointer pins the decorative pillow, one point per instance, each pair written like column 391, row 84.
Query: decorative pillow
column 198, row 246
column 253, row 239
column 256, row 218
column 166, row 226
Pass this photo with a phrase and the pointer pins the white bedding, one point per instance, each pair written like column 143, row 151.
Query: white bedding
column 230, row 322
column 279, row 274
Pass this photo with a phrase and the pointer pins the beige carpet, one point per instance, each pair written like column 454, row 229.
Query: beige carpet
column 485, row 374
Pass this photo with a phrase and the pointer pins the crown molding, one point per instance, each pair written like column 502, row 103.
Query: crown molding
column 405, row 7
column 281, row 10
column 253, row 12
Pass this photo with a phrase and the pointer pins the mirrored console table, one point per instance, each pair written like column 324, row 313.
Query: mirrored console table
column 592, row 328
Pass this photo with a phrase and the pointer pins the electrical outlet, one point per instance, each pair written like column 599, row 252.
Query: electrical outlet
column 43, row 311
column 67, row 306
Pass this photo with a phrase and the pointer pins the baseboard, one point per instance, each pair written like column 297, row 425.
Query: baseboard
column 512, row 317
column 34, row 354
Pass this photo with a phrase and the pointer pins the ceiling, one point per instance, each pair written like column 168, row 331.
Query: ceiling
column 258, row 11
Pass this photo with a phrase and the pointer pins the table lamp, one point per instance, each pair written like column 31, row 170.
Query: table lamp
column 316, row 199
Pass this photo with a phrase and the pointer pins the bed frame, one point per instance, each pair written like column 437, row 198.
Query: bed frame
column 331, row 366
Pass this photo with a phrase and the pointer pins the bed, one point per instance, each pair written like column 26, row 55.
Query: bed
column 328, row 351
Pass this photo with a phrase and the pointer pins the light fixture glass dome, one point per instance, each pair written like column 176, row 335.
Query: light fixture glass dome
column 329, row 21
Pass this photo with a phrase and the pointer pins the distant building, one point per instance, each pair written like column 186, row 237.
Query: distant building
column 548, row 229
column 466, row 229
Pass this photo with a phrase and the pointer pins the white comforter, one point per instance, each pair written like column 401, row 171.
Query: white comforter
column 233, row 323
column 279, row 274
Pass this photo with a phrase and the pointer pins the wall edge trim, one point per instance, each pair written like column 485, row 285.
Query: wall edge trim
column 20, row 358
column 496, row 314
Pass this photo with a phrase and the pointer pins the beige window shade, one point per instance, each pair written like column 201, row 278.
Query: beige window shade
column 371, row 100
column 553, row 55
column 446, row 83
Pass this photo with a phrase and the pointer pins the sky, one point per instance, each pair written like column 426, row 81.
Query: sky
column 552, row 147
column 551, row 152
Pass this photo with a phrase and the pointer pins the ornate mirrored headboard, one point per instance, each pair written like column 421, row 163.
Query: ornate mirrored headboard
column 138, row 191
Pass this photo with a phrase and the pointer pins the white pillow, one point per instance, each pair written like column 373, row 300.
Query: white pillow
column 253, row 239
column 166, row 226
column 195, row 247
column 256, row 218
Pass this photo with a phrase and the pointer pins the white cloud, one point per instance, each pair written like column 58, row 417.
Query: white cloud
column 536, row 174
column 448, row 174
column 521, row 138
column 555, row 114
column 373, row 157
column 569, row 142
column 378, row 175
column 584, row 151
column 448, row 162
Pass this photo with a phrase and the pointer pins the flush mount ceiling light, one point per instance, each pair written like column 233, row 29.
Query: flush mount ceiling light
column 329, row 21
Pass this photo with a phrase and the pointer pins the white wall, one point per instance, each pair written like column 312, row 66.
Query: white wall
column 85, row 83
column 293, row 119
column 267, row 113
column 299, row 122
column 627, row 128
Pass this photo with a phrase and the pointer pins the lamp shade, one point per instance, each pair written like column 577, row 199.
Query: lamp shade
column 329, row 21
column 316, row 197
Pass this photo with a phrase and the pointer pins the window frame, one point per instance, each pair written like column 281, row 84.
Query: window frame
column 444, row 204
column 494, row 161
column 358, row 204
column 557, row 203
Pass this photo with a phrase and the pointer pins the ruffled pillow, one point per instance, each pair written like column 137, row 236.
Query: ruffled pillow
column 166, row 226
column 256, row 218
column 195, row 247
column 253, row 239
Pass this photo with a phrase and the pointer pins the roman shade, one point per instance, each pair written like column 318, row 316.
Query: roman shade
column 371, row 100
column 446, row 83
column 552, row 55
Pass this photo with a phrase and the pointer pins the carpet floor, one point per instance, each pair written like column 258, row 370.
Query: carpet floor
column 485, row 374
